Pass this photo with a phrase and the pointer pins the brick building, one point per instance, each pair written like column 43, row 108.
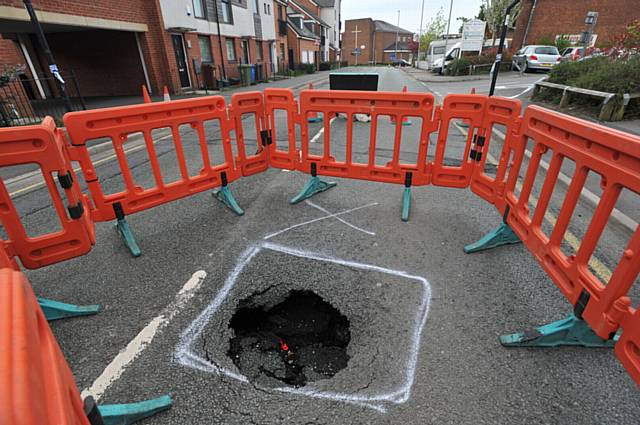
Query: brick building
column 375, row 40
column 551, row 18
column 113, row 47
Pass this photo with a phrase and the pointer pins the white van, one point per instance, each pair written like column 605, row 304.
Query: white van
column 436, row 49
column 454, row 51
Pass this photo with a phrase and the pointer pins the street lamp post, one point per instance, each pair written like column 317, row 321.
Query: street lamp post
column 420, row 34
column 397, row 31
column 503, row 36
column 446, row 38
column 42, row 40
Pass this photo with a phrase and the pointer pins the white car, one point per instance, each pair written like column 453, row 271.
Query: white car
column 535, row 58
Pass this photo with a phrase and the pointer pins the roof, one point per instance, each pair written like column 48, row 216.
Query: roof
column 402, row 46
column 325, row 3
column 302, row 32
column 310, row 13
column 382, row 26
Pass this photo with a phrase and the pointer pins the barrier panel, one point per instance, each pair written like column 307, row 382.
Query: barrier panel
column 613, row 155
column 374, row 104
column 43, row 145
column 505, row 114
column 117, row 123
column 250, row 107
column 282, row 100
column 36, row 384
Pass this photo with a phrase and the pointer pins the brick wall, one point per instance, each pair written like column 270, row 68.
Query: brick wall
column 554, row 17
column 364, row 38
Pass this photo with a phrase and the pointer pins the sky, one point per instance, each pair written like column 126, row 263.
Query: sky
column 387, row 10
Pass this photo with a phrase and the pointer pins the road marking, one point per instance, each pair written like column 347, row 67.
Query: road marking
column 321, row 131
column 319, row 219
column 353, row 226
column 125, row 357
column 602, row 271
column 185, row 355
column 528, row 89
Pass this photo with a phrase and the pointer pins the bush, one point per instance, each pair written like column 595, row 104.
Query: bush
column 307, row 68
column 599, row 73
column 459, row 66
column 325, row 66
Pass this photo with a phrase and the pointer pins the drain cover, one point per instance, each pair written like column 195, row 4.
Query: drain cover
column 299, row 340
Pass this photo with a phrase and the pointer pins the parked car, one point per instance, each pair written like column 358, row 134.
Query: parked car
column 401, row 62
column 535, row 58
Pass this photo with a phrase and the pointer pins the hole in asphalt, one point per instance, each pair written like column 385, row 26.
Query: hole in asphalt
column 301, row 339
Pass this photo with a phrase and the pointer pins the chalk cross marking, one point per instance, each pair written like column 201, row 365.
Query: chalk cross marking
column 329, row 215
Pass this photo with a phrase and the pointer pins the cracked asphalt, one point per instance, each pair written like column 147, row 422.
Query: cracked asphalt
column 425, row 318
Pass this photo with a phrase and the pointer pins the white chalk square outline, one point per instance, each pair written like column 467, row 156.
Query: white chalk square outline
column 185, row 356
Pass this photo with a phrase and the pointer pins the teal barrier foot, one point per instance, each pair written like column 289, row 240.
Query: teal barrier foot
column 314, row 185
column 502, row 235
column 569, row 331
column 54, row 310
column 225, row 196
column 128, row 238
column 314, row 119
column 406, row 203
column 407, row 122
column 125, row 232
column 124, row 414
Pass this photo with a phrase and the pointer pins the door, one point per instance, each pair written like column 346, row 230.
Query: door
column 181, row 60
column 291, row 63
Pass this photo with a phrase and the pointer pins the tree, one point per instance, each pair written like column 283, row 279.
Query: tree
column 435, row 28
column 464, row 21
column 494, row 15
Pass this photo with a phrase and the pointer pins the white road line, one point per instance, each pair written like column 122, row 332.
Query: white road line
column 125, row 357
column 321, row 132
column 353, row 226
column 319, row 219
column 528, row 89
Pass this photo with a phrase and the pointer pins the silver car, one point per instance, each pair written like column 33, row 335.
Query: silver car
column 535, row 57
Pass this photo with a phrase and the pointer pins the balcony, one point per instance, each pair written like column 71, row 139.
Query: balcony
column 282, row 27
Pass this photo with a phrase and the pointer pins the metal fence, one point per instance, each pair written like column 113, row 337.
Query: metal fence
column 25, row 101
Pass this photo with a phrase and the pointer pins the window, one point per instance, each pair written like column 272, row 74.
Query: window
column 198, row 9
column 259, row 51
column 245, row 51
column 280, row 9
column 266, row 10
column 547, row 50
column 257, row 4
column 205, row 49
column 227, row 14
column 231, row 50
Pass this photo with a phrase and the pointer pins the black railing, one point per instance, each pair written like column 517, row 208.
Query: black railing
column 26, row 101
column 282, row 27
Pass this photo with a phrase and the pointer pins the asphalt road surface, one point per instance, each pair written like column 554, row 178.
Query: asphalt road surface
column 424, row 317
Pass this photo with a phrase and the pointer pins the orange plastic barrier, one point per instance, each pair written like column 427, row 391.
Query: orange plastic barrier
column 243, row 107
column 36, row 384
column 117, row 123
column 613, row 155
column 628, row 347
column 498, row 112
column 44, row 145
column 375, row 104
column 282, row 100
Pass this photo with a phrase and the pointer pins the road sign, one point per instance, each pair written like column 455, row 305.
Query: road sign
column 473, row 35
column 392, row 56
column 356, row 51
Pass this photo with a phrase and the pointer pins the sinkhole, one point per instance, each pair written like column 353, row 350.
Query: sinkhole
column 300, row 339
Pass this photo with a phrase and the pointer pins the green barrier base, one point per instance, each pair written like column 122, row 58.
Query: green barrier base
column 124, row 414
column 502, row 235
column 225, row 196
column 406, row 203
column 127, row 236
column 315, row 119
column 314, row 185
column 55, row 310
column 569, row 331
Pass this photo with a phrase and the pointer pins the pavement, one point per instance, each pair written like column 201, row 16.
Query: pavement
column 424, row 317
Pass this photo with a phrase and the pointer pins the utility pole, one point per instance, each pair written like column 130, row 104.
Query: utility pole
column 48, row 55
column 420, row 34
column 446, row 38
column 397, row 31
column 224, row 73
column 355, row 47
